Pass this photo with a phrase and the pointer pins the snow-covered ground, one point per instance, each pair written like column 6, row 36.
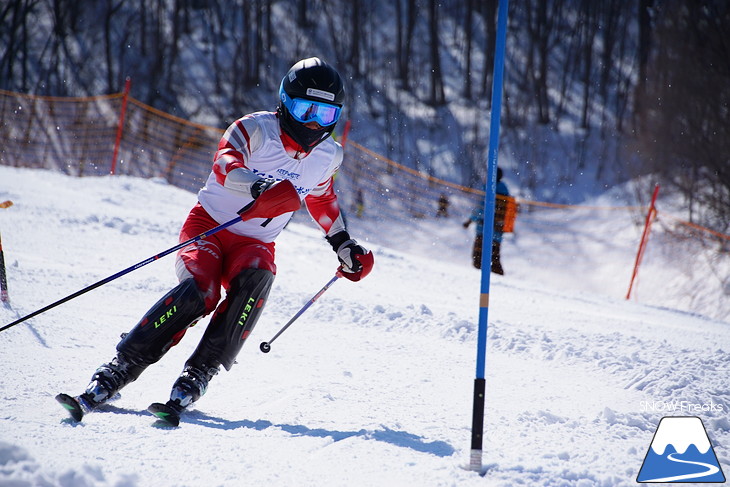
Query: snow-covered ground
column 373, row 384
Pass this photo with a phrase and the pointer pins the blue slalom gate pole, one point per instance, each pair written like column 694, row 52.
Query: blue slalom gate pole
column 477, row 430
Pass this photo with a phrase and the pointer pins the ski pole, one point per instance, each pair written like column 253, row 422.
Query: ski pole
column 4, row 297
column 3, row 277
column 279, row 199
column 266, row 346
column 125, row 271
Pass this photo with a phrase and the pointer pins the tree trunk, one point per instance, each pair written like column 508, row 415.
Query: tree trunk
column 437, row 96
column 490, row 20
column 468, row 28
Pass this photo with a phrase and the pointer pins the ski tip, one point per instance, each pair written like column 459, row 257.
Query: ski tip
column 165, row 414
column 71, row 405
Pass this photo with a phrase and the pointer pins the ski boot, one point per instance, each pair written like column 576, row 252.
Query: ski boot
column 192, row 383
column 105, row 383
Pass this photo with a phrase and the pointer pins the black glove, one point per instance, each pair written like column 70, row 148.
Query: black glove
column 356, row 261
column 260, row 186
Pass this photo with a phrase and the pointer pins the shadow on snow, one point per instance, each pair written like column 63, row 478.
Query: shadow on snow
column 397, row 438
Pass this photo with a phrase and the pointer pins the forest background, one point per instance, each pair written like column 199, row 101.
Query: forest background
column 596, row 93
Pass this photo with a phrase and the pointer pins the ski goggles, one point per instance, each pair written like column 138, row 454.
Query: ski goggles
column 311, row 111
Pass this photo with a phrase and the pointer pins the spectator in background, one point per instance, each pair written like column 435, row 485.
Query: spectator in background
column 359, row 203
column 477, row 216
column 443, row 208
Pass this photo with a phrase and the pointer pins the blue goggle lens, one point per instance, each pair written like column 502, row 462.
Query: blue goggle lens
column 311, row 111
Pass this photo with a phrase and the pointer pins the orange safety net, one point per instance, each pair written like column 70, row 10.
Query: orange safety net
column 77, row 135
column 72, row 135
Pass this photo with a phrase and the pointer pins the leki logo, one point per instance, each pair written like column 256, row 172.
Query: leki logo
column 681, row 452
column 246, row 310
column 161, row 320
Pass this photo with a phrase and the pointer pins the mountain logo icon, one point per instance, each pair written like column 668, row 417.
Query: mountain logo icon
column 680, row 452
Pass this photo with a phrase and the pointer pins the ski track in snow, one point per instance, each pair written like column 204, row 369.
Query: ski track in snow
column 371, row 386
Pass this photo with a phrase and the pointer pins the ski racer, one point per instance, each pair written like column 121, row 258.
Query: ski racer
column 274, row 161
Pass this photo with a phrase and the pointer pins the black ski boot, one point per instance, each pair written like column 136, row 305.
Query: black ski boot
column 105, row 383
column 192, row 383
column 110, row 378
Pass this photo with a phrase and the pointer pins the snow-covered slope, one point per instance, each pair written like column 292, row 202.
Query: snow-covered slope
column 371, row 386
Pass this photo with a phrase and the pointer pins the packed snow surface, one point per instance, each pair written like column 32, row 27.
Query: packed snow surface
column 372, row 386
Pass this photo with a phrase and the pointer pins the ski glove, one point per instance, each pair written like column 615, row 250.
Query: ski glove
column 244, row 181
column 274, row 199
column 356, row 261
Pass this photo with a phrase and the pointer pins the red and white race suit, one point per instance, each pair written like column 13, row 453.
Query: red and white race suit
column 254, row 142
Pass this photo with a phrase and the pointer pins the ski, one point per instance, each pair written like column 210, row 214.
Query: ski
column 74, row 406
column 165, row 413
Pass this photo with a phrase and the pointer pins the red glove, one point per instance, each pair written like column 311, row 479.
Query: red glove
column 363, row 264
column 277, row 199
column 356, row 262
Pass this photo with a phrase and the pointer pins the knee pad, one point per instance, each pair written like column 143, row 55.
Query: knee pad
column 234, row 319
column 163, row 325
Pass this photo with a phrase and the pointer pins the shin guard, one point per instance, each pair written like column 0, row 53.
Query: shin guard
column 163, row 325
column 234, row 320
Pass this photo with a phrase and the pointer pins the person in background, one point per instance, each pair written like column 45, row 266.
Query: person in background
column 269, row 162
column 477, row 216
column 359, row 203
column 443, row 206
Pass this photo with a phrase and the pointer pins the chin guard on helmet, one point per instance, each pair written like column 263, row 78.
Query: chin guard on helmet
column 311, row 91
column 307, row 138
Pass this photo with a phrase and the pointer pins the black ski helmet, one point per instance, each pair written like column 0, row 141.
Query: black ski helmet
column 314, row 80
